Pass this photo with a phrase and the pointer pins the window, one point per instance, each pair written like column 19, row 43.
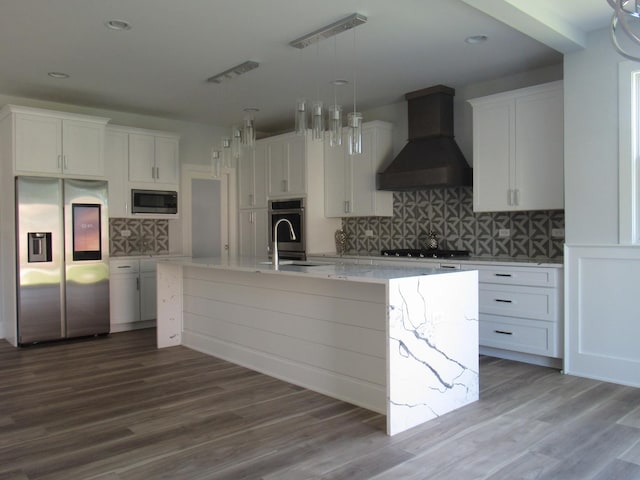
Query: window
column 629, row 152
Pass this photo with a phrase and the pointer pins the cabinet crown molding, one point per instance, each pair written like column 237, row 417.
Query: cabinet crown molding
column 10, row 108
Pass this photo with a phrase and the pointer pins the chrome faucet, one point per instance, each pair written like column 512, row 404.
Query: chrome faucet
column 275, row 239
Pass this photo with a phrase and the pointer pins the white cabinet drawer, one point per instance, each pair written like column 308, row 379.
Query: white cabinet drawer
column 123, row 266
column 521, row 335
column 508, row 275
column 513, row 300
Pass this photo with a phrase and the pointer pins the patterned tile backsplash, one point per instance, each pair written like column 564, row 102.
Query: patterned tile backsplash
column 148, row 236
column 449, row 213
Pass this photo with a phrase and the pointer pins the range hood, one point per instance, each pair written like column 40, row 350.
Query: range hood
column 431, row 157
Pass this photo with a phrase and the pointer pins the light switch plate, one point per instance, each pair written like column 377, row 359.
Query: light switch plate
column 504, row 232
column 557, row 233
column 125, row 233
column 368, row 233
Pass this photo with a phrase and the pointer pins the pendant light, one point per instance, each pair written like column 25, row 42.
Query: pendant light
column 317, row 120
column 215, row 162
column 301, row 116
column 248, row 136
column 236, row 142
column 335, row 110
column 226, row 152
column 354, row 119
column 317, row 110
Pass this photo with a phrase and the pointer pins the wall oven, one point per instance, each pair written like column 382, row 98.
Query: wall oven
column 293, row 210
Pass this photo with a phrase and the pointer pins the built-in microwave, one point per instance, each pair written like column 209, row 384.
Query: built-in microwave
column 154, row 201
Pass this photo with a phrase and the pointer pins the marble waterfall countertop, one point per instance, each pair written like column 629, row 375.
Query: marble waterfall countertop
column 312, row 269
column 402, row 341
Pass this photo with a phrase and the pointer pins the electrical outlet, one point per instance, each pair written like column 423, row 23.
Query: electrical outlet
column 125, row 233
column 368, row 233
column 557, row 233
column 504, row 232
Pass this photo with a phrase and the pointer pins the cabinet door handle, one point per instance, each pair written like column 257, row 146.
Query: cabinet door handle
column 124, row 266
column 347, row 206
column 502, row 274
column 251, row 199
column 516, row 197
column 510, row 197
column 66, row 164
column 59, row 164
column 452, row 267
column 284, row 185
column 502, row 300
column 157, row 173
column 138, row 283
column 502, row 332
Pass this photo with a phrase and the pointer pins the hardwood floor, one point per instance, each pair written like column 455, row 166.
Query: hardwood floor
column 118, row 408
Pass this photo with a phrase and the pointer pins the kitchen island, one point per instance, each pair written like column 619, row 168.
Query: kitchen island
column 399, row 341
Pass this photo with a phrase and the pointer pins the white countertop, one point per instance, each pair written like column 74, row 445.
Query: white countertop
column 513, row 261
column 340, row 271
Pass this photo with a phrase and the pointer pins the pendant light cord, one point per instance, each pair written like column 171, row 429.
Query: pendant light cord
column 354, row 70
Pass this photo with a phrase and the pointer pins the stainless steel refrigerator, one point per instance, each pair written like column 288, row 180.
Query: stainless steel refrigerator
column 63, row 265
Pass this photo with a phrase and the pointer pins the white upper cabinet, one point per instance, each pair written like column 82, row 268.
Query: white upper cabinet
column 137, row 158
column 57, row 143
column 350, row 181
column 518, row 150
column 154, row 158
column 287, row 157
column 252, row 174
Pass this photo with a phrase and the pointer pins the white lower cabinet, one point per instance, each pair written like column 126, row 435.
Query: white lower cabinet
column 132, row 298
column 520, row 306
column 148, row 290
column 521, row 309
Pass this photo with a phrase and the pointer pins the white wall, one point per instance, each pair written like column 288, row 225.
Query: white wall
column 601, row 313
column 591, row 142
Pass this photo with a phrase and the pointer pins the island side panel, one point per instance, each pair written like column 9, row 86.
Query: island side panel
column 169, row 305
column 433, row 347
column 327, row 335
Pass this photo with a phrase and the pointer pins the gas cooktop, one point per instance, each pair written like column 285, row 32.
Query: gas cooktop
column 424, row 253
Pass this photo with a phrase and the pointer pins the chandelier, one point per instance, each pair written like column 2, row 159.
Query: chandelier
column 354, row 122
column 625, row 27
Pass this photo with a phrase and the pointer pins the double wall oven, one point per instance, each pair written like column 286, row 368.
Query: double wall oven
column 291, row 209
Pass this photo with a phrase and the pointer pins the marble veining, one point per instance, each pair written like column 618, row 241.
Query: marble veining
column 433, row 347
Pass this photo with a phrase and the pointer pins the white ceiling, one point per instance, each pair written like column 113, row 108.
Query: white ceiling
column 159, row 67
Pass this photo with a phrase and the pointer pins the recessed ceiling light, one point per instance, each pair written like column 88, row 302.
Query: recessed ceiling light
column 58, row 75
column 251, row 110
column 339, row 82
column 475, row 39
column 118, row 24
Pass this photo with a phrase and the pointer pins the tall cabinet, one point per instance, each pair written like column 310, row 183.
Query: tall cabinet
column 252, row 201
column 518, row 150
column 283, row 166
